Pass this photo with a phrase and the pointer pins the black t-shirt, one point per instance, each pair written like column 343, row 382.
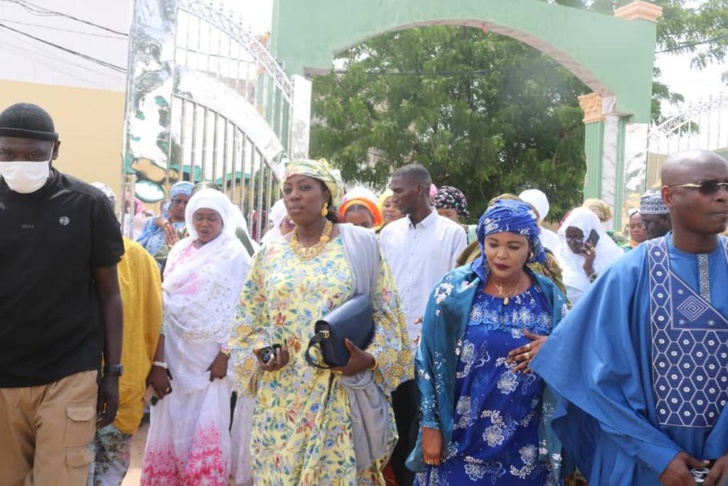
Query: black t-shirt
column 50, row 242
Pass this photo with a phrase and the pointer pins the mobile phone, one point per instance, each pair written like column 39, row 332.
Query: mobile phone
column 700, row 475
column 268, row 353
column 593, row 238
column 150, row 396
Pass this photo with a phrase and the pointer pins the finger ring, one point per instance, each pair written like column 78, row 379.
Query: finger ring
column 528, row 346
column 528, row 356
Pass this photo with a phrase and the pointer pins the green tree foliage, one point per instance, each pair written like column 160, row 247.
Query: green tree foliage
column 482, row 112
column 695, row 27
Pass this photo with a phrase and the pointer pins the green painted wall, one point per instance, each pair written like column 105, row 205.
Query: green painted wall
column 612, row 56
column 619, row 174
column 594, row 146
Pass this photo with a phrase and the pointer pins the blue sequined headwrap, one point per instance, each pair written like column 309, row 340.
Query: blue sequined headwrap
column 508, row 216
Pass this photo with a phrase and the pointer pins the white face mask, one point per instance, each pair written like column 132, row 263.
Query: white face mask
column 25, row 177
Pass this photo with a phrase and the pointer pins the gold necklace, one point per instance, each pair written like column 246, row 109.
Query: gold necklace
column 311, row 252
column 506, row 297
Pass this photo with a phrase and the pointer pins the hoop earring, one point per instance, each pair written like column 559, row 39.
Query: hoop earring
column 325, row 210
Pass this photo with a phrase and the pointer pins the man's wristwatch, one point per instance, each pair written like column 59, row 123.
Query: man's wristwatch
column 114, row 370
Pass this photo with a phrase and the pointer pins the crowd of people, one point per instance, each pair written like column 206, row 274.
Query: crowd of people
column 501, row 352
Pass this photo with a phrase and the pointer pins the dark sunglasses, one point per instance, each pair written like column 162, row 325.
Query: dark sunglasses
column 706, row 188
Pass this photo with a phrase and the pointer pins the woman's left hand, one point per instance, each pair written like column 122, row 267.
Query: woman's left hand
column 218, row 368
column 170, row 234
column 522, row 356
column 358, row 361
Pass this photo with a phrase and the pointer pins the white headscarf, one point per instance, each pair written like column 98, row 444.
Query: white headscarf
column 360, row 192
column 538, row 200
column 215, row 200
column 607, row 251
column 277, row 214
column 202, row 285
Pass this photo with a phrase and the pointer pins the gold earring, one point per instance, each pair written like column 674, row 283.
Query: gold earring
column 325, row 210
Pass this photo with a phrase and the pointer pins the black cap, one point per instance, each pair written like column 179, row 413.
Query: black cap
column 25, row 120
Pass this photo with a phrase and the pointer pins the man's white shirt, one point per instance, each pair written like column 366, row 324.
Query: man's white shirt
column 419, row 256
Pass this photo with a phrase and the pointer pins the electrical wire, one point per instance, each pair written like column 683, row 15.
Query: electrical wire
column 422, row 73
column 62, row 30
column 31, row 47
column 65, row 49
column 34, row 49
column 38, row 10
column 51, row 58
column 693, row 44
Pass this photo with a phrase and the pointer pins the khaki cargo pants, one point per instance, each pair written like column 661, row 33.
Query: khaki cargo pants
column 46, row 432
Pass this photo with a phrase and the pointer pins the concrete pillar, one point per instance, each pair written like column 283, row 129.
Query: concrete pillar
column 619, row 187
column 593, row 143
column 636, row 11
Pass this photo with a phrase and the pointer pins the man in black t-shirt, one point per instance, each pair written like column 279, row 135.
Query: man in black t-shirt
column 60, row 308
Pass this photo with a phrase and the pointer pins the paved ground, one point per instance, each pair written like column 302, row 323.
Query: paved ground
column 137, row 452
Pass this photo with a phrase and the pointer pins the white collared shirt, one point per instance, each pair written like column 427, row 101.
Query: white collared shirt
column 419, row 257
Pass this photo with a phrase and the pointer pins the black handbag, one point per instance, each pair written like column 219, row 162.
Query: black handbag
column 352, row 320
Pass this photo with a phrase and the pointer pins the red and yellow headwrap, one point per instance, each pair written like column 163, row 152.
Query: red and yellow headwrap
column 363, row 197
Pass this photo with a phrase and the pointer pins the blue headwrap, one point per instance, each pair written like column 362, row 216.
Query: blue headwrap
column 152, row 237
column 508, row 216
column 182, row 187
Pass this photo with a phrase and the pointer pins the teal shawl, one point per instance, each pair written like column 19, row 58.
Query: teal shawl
column 443, row 327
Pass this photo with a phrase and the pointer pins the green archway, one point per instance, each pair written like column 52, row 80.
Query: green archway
column 613, row 55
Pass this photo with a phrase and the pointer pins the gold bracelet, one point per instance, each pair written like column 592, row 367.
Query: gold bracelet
column 374, row 366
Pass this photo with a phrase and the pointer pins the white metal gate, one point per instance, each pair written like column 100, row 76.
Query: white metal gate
column 205, row 102
column 701, row 125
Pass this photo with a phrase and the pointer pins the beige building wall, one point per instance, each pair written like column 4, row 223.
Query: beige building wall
column 90, row 123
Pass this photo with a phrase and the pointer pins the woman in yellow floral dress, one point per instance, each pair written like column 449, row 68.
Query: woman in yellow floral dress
column 302, row 426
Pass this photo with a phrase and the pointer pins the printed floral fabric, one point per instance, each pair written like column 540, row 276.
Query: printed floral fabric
column 112, row 451
column 497, row 411
column 447, row 319
column 302, row 432
column 448, row 197
column 206, row 463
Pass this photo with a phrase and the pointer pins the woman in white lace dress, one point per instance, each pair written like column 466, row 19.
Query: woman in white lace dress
column 188, row 441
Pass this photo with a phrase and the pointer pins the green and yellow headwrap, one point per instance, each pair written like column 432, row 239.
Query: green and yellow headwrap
column 322, row 171
column 600, row 208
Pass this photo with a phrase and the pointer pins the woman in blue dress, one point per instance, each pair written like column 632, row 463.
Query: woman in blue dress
column 484, row 415
column 161, row 233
